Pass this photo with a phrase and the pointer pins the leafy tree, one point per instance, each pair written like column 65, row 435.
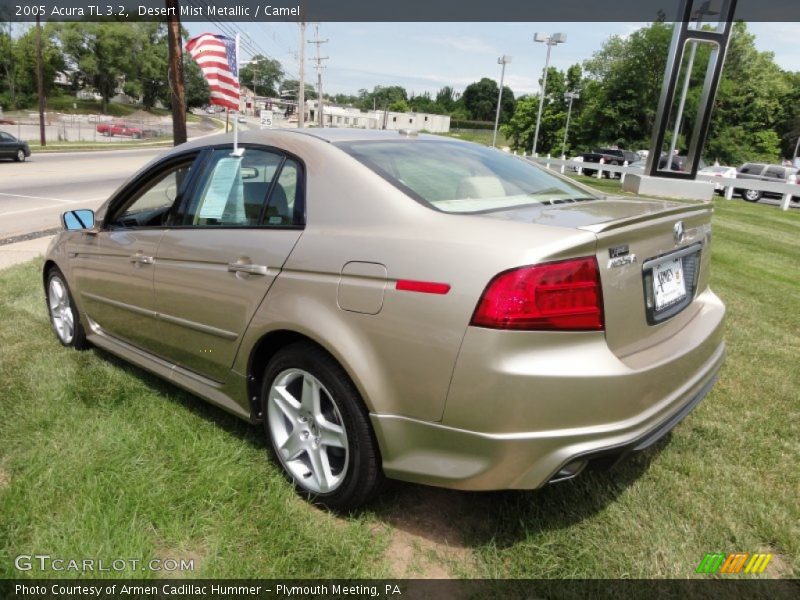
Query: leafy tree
column 18, row 67
column 291, row 87
column 480, row 100
column 262, row 74
column 749, row 107
column 446, row 99
column 100, row 54
column 382, row 97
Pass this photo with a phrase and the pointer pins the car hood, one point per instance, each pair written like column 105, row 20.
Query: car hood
column 594, row 215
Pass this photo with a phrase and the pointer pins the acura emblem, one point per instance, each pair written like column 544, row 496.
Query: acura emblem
column 677, row 232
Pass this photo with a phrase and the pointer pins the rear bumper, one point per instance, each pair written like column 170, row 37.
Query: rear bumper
column 532, row 428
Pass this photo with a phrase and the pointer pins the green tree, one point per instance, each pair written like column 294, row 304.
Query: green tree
column 262, row 75
column 446, row 99
column 290, row 87
column 382, row 97
column 480, row 100
column 749, row 108
column 100, row 54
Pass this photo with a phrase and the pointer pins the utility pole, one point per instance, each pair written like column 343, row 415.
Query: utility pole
column 177, row 95
column 503, row 60
column 40, row 80
column 319, row 68
column 301, row 85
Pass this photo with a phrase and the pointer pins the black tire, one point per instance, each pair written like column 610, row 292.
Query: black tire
column 751, row 195
column 363, row 475
column 20, row 155
column 136, row 136
column 78, row 338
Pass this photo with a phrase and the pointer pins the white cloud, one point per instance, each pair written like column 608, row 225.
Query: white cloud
column 462, row 43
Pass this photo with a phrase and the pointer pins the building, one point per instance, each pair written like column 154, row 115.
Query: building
column 341, row 116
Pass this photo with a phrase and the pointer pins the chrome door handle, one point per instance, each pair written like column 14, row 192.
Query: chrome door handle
column 142, row 259
column 247, row 268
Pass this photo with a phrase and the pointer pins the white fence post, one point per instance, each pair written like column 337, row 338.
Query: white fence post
column 729, row 192
column 563, row 157
column 548, row 161
column 600, row 164
column 622, row 175
column 787, row 198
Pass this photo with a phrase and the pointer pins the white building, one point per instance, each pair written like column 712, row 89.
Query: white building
column 340, row 116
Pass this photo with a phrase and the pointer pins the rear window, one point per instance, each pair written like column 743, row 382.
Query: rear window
column 462, row 178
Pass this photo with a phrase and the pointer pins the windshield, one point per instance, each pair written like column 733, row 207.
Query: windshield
column 462, row 178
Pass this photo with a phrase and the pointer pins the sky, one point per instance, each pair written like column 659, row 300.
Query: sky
column 427, row 56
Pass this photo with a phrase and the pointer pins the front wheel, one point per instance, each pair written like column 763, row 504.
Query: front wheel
column 20, row 156
column 319, row 429
column 64, row 316
column 751, row 195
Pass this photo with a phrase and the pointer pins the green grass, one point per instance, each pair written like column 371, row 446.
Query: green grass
column 87, row 107
column 98, row 458
column 479, row 136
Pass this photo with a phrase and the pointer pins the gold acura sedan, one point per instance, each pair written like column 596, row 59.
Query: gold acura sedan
column 399, row 305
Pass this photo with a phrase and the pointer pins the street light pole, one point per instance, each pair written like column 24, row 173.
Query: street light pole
column 550, row 40
column 568, row 96
column 503, row 60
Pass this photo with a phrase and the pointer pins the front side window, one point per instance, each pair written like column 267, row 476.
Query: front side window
column 151, row 204
column 5, row 137
column 461, row 178
column 232, row 190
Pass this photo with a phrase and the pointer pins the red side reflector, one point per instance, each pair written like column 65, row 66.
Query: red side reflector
column 424, row 287
column 563, row 295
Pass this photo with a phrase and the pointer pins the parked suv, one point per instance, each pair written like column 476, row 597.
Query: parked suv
column 763, row 172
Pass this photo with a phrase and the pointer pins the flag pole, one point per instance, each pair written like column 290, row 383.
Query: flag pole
column 236, row 151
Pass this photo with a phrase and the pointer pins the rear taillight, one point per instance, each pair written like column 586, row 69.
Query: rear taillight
column 563, row 295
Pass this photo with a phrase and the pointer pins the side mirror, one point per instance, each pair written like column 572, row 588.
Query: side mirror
column 74, row 220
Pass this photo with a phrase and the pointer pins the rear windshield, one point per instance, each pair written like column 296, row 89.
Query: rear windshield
column 462, row 178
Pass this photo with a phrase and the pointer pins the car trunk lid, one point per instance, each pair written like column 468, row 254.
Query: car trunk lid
column 641, row 244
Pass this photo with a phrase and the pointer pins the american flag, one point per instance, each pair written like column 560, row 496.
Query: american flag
column 216, row 55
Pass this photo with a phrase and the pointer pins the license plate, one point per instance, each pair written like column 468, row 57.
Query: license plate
column 669, row 285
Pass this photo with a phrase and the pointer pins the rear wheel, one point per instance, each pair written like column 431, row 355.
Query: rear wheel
column 751, row 195
column 64, row 316
column 319, row 429
column 20, row 156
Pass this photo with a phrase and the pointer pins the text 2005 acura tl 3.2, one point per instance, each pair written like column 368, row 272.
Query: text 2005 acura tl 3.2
column 400, row 305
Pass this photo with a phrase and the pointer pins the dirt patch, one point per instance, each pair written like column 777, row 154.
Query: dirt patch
column 428, row 534
column 183, row 556
column 778, row 567
column 4, row 478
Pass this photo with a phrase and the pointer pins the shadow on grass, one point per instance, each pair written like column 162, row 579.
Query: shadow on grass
column 252, row 434
column 448, row 517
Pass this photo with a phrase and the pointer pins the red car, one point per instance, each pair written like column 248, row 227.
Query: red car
column 112, row 129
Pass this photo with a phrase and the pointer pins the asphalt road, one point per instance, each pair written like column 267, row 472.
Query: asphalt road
column 33, row 194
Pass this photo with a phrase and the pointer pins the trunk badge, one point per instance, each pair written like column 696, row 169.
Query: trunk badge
column 621, row 261
column 617, row 251
column 678, row 233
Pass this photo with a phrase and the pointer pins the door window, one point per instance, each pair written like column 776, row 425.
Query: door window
column 232, row 190
column 150, row 206
column 4, row 137
column 282, row 209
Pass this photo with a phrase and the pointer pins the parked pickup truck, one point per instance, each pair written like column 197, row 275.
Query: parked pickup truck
column 112, row 129
column 610, row 156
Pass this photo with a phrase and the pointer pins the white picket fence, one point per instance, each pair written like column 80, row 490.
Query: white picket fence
column 786, row 190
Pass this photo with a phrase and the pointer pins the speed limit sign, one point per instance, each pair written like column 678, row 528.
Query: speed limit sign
column 266, row 119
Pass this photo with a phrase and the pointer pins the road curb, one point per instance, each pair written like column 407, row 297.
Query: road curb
column 20, row 252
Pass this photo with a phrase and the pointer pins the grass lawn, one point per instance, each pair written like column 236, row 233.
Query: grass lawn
column 99, row 459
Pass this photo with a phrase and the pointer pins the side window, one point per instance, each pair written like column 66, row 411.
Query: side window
column 232, row 190
column 4, row 137
column 281, row 210
column 151, row 205
column 775, row 172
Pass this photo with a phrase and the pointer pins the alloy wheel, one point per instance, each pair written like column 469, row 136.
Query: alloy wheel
column 60, row 310
column 307, row 431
